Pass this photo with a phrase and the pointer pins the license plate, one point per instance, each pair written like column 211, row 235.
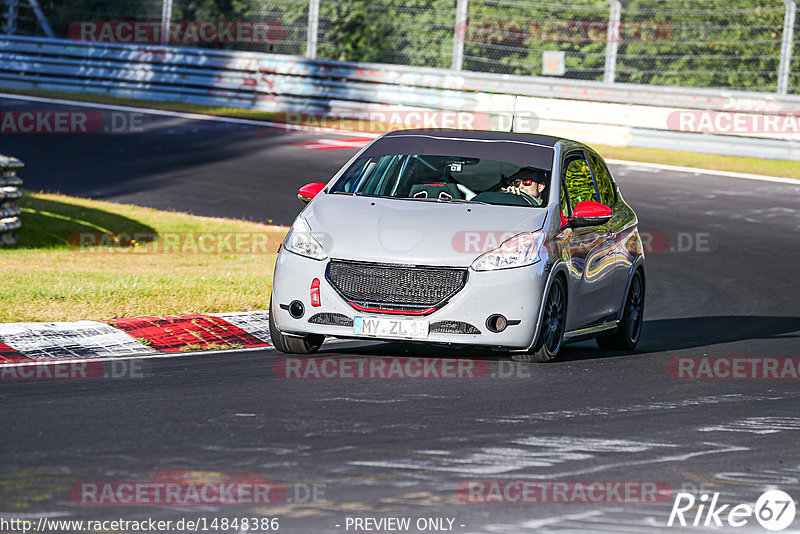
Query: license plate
column 385, row 327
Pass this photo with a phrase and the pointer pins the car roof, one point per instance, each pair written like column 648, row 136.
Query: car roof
column 545, row 140
column 523, row 149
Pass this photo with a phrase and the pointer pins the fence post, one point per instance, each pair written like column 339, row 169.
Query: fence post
column 612, row 40
column 313, row 29
column 459, row 34
column 166, row 20
column 786, row 46
column 37, row 11
column 11, row 17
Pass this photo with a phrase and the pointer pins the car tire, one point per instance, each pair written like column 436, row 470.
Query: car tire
column 551, row 333
column 627, row 334
column 308, row 344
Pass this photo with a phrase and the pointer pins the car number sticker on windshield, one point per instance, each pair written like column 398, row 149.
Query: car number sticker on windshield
column 385, row 327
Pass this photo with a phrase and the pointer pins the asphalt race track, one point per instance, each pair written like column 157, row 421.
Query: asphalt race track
column 722, row 281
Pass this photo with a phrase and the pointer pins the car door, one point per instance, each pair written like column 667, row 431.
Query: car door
column 620, row 228
column 590, row 254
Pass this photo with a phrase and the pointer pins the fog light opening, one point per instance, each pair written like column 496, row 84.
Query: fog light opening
column 296, row 309
column 496, row 323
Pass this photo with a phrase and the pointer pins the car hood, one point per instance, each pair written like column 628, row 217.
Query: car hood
column 413, row 231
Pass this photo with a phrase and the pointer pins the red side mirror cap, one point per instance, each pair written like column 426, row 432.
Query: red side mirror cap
column 590, row 213
column 590, row 208
column 307, row 193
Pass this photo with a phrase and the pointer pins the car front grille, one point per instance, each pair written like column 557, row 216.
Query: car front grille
column 399, row 287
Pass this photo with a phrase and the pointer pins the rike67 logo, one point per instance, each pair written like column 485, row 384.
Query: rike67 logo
column 774, row 510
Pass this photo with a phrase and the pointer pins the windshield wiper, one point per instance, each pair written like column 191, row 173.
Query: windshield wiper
column 355, row 194
column 463, row 201
column 447, row 199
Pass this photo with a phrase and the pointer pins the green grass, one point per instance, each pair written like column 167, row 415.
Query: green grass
column 787, row 169
column 769, row 167
column 48, row 276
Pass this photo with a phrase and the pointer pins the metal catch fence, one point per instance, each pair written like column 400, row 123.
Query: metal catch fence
column 751, row 45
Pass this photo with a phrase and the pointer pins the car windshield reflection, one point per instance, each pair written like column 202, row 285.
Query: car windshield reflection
column 444, row 178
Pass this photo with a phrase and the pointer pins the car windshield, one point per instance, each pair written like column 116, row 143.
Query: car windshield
column 445, row 179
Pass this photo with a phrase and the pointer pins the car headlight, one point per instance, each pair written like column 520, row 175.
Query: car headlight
column 300, row 241
column 518, row 251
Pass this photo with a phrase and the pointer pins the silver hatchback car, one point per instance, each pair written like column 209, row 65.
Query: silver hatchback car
column 517, row 242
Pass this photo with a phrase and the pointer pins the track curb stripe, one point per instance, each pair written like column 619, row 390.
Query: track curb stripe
column 187, row 332
column 7, row 354
column 43, row 342
column 60, row 340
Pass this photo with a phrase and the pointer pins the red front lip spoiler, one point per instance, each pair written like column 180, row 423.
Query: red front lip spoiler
column 392, row 312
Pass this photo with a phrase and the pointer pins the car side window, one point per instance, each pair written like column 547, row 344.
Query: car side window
column 605, row 187
column 578, row 177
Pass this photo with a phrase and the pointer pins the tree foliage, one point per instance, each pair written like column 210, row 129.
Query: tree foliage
column 696, row 43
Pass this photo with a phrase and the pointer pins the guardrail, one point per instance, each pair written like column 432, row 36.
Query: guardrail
column 9, row 193
column 594, row 112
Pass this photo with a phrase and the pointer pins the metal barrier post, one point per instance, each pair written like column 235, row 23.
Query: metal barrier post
column 11, row 17
column 9, row 193
column 786, row 46
column 313, row 29
column 166, row 20
column 458, row 40
column 612, row 40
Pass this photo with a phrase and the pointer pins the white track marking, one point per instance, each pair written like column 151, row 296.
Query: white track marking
column 711, row 172
column 183, row 115
column 544, row 459
column 233, row 120
column 757, row 425
column 611, row 411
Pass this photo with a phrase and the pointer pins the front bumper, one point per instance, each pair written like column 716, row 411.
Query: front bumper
column 514, row 293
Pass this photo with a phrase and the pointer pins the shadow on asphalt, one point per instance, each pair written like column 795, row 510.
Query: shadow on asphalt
column 694, row 332
column 661, row 335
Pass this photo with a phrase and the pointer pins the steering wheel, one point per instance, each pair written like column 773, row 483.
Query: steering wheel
column 525, row 196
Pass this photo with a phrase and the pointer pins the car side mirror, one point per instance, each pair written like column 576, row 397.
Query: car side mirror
column 590, row 213
column 307, row 193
